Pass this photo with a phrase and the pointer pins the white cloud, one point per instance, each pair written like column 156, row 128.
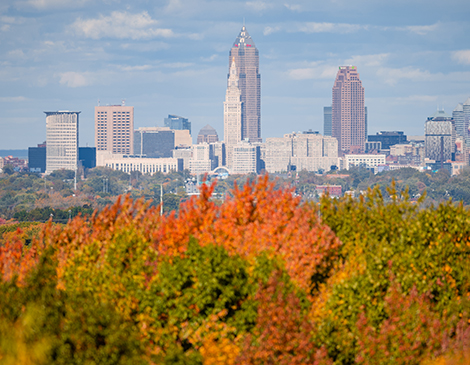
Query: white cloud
column 422, row 29
column 44, row 4
column 258, row 5
column 293, row 7
column 313, row 27
column 269, row 30
column 16, row 53
column 462, row 57
column 210, row 58
column 373, row 60
column 392, row 75
column 136, row 68
column 177, row 64
column 12, row 99
column 75, row 79
column 122, row 25
column 315, row 72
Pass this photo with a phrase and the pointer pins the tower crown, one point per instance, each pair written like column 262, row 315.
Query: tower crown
column 244, row 39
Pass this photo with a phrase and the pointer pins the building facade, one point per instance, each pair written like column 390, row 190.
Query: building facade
column 148, row 166
column 306, row 151
column 233, row 112
column 207, row 134
column 37, row 158
column 245, row 55
column 388, row 138
column 348, row 124
column 61, row 140
column 154, row 142
column 370, row 161
column 177, row 123
column 439, row 132
column 461, row 123
column 327, row 121
column 202, row 159
column 114, row 129
column 246, row 158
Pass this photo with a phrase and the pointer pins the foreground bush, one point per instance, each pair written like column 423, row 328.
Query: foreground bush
column 260, row 279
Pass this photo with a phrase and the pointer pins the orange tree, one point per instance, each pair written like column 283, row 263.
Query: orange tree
column 128, row 285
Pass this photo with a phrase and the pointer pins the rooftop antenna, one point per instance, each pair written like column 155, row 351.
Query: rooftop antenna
column 123, row 102
column 99, row 102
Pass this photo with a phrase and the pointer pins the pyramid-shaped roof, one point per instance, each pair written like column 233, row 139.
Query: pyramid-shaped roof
column 440, row 114
column 467, row 102
column 458, row 108
column 244, row 39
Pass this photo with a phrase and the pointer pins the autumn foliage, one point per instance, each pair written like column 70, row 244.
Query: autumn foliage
column 259, row 279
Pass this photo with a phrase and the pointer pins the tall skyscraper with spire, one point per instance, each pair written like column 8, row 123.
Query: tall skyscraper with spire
column 246, row 57
column 348, row 112
column 233, row 112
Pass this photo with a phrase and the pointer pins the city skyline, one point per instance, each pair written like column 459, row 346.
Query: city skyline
column 171, row 58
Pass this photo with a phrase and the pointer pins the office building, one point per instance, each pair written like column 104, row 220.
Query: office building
column 439, row 132
column 219, row 153
column 233, row 112
column 388, row 138
column 154, row 142
column 466, row 110
column 114, row 129
column 184, row 153
column 461, row 123
column 203, row 160
column 246, row 58
column 87, row 157
column 61, row 140
column 327, row 121
column 308, row 151
column 246, row 158
column 207, row 134
column 182, row 138
column 147, row 166
column 37, row 158
column 348, row 111
column 370, row 161
column 177, row 123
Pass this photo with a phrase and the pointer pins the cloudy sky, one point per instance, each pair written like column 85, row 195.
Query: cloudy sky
column 171, row 57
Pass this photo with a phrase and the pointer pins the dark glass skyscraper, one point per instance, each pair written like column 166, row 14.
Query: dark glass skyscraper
column 246, row 57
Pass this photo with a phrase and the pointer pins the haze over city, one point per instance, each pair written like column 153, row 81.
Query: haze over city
column 172, row 58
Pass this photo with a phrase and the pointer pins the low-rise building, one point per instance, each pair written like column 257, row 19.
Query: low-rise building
column 148, row 166
column 365, row 160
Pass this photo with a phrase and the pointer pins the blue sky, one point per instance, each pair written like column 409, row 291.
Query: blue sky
column 171, row 57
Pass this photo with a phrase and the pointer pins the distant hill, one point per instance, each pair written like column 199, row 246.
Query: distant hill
column 23, row 154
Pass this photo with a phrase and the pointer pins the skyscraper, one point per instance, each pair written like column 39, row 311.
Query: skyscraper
column 348, row 111
column 176, row 122
column 114, row 129
column 461, row 123
column 439, row 132
column 233, row 112
column 61, row 140
column 246, row 57
column 327, row 120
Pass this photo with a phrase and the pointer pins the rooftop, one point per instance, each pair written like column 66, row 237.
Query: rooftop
column 244, row 39
column 208, row 130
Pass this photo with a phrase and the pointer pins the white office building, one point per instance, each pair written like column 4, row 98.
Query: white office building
column 62, row 140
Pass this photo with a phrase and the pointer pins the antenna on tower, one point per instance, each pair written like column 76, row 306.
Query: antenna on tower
column 123, row 102
column 99, row 102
